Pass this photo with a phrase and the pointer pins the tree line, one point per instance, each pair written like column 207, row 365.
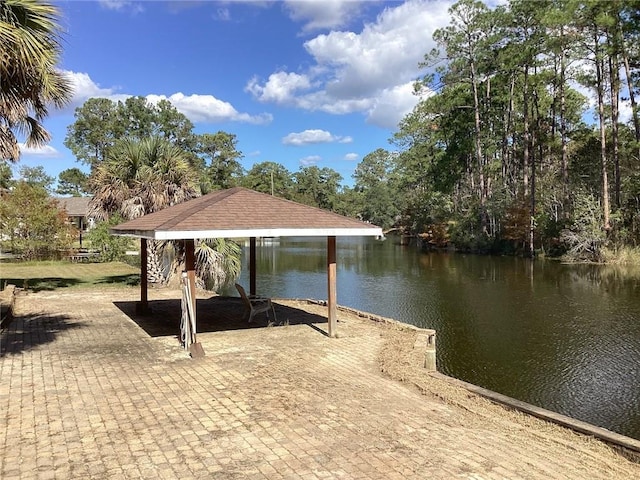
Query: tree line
column 104, row 131
column 503, row 152
column 526, row 139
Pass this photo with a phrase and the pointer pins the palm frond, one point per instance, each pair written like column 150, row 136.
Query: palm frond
column 29, row 82
column 8, row 144
column 218, row 262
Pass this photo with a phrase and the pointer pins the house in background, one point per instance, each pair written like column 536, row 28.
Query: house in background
column 77, row 208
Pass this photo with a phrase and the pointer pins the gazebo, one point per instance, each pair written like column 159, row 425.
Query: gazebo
column 242, row 213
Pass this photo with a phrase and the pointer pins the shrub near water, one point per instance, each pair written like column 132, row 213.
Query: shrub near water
column 622, row 256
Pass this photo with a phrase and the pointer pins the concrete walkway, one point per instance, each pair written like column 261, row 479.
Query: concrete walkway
column 86, row 392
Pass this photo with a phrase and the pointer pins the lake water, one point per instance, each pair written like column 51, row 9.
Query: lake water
column 563, row 337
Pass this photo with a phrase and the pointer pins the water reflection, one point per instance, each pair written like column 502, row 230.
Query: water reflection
column 565, row 337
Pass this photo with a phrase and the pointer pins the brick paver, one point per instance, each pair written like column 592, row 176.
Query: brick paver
column 86, row 393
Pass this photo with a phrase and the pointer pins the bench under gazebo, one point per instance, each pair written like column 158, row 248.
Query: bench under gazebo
column 242, row 213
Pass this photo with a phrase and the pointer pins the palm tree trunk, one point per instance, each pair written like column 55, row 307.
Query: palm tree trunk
column 155, row 272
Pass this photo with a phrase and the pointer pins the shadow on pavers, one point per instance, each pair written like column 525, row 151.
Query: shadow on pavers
column 215, row 314
column 42, row 284
column 130, row 280
column 25, row 332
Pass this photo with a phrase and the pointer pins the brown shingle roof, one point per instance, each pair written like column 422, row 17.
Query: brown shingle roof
column 239, row 212
column 75, row 206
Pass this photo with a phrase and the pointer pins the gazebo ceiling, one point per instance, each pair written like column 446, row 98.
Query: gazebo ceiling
column 240, row 213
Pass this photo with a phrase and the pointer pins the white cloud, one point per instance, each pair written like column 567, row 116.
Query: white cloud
column 46, row 151
column 351, row 156
column 324, row 14
column 222, row 14
column 310, row 137
column 385, row 54
column 84, row 88
column 280, row 88
column 209, row 109
column 198, row 108
column 362, row 72
column 392, row 104
column 310, row 160
column 121, row 5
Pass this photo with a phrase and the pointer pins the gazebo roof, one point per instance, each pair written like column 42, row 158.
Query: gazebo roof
column 239, row 213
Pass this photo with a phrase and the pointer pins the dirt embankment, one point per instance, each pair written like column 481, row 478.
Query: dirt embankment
column 401, row 361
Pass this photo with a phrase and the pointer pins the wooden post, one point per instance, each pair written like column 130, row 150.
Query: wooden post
column 332, row 319
column 195, row 349
column 143, row 305
column 426, row 342
column 252, row 266
column 190, row 261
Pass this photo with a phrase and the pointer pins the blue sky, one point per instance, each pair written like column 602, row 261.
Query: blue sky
column 298, row 82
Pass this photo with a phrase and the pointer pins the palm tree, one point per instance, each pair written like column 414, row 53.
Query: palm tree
column 29, row 82
column 144, row 176
column 140, row 177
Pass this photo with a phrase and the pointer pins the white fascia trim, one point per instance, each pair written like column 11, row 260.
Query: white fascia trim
column 271, row 232
column 148, row 234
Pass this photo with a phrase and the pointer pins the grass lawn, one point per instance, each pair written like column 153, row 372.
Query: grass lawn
column 37, row 276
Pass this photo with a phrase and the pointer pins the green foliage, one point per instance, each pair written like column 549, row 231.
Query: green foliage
column 37, row 177
column 270, row 177
column 379, row 202
column 94, row 131
column 34, row 224
column 140, row 177
column 499, row 131
column 465, row 229
column 349, row 203
column 100, row 123
column 111, row 247
column 317, row 187
column 6, row 175
column 72, row 181
column 219, row 151
column 173, row 125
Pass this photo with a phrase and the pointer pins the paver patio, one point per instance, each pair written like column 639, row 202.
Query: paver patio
column 86, row 392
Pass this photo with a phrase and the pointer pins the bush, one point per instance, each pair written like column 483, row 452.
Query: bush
column 585, row 238
column 33, row 224
column 111, row 247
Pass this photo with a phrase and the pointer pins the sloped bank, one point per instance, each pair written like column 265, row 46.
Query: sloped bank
column 401, row 361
